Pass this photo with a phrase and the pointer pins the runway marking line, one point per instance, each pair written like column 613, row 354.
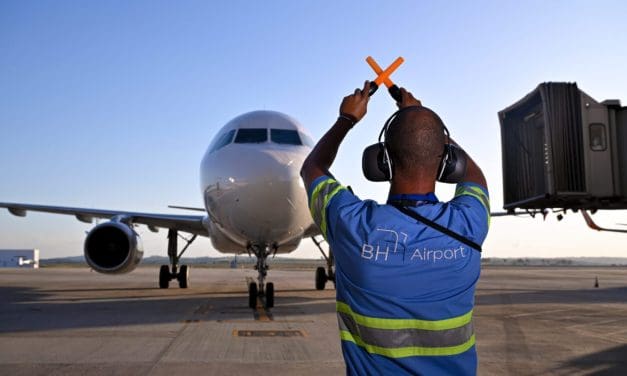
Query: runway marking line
column 273, row 321
column 260, row 312
column 268, row 333
column 619, row 331
column 515, row 316
column 583, row 332
column 591, row 323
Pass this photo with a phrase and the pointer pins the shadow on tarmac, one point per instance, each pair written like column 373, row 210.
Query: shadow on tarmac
column 608, row 362
column 587, row 296
column 28, row 310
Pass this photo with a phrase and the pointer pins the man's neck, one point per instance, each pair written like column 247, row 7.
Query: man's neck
column 412, row 186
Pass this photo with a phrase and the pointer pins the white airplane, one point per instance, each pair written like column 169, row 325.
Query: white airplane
column 255, row 202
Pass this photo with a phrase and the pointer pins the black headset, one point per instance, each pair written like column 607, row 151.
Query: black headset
column 377, row 165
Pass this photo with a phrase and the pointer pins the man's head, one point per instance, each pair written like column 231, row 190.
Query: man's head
column 415, row 141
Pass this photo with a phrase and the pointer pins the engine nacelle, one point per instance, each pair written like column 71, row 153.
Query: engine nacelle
column 113, row 248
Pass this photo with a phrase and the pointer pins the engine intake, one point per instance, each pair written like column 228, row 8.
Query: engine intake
column 113, row 248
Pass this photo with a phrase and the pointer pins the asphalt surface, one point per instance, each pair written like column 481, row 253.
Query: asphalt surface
column 71, row 321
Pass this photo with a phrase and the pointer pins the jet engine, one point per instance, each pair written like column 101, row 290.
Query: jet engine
column 113, row 248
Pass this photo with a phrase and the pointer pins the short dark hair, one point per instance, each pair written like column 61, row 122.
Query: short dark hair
column 415, row 141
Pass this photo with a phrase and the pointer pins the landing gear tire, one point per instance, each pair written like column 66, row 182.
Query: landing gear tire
column 183, row 276
column 252, row 295
column 164, row 277
column 321, row 278
column 269, row 295
column 173, row 271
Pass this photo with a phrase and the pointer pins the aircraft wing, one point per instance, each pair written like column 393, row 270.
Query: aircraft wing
column 187, row 223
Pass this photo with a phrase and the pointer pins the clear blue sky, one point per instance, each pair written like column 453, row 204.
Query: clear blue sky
column 111, row 104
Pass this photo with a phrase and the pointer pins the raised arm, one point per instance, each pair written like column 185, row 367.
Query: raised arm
column 319, row 161
column 473, row 172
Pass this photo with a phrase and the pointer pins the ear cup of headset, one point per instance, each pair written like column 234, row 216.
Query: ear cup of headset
column 453, row 165
column 375, row 164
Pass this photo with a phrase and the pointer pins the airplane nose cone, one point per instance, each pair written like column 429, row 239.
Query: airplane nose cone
column 261, row 195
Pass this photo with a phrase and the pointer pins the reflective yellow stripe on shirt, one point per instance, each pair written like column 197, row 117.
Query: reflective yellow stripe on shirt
column 403, row 352
column 397, row 338
column 322, row 194
column 477, row 193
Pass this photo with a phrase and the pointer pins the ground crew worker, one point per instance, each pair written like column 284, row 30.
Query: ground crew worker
column 405, row 291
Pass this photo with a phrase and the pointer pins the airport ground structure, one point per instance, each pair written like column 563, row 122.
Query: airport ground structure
column 19, row 258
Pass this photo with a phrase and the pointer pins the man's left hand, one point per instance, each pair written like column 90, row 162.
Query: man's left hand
column 407, row 100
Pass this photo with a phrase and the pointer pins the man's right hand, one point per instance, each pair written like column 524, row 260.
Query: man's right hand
column 355, row 105
column 407, row 99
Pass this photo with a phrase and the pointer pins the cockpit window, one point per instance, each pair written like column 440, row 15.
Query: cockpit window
column 285, row 136
column 223, row 140
column 251, row 136
column 307, row 140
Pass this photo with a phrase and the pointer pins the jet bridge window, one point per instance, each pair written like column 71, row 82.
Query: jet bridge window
column 285, row 136
column 251, row 136
column 597, row 137
column 222, row 140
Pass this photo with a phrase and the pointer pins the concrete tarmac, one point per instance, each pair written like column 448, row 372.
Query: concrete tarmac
column 72, row 321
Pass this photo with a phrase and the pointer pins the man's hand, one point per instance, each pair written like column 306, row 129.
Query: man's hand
column 321, row 158
column 355, row 105
column 407, row 99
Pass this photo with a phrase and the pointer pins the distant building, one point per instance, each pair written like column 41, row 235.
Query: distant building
column 19, row 258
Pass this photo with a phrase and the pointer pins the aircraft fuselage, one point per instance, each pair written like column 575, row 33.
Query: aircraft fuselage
column 251, row 185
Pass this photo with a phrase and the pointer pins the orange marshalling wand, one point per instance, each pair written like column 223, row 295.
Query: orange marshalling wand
column 383, row 77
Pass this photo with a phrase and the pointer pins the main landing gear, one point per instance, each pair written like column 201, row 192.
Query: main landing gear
column 173, row 271
column 261, row 289
column 322, row 276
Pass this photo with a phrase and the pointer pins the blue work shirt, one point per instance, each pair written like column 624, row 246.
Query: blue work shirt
column 405, row 291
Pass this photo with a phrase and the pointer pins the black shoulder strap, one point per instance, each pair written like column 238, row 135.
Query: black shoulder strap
column 436, row 226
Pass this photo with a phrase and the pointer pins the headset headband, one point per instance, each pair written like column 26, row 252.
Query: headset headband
column 377, row 164
column 393, row 117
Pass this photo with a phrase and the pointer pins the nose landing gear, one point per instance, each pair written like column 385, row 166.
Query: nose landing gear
column 263, row 290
